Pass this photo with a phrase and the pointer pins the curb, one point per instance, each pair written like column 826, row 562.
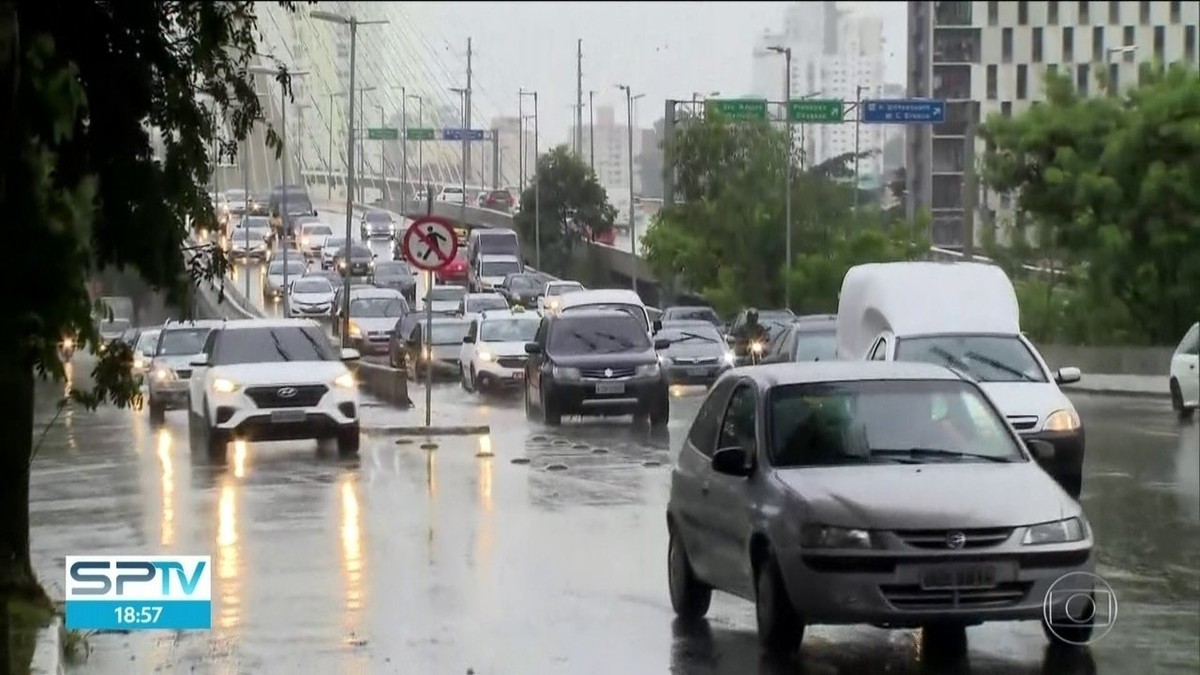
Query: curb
column 48, row 656
column 478, row 430
column 1138, row 393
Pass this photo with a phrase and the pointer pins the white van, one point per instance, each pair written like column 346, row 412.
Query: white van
column 492, row 241
column 964, row 316
column 621, row 299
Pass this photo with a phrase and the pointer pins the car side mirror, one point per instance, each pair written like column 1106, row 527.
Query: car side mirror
column 1042, row 451
column 657, row 325
column 533, row 348
column 468, row 339
column 199, row 361
column 661, row 344
column 350, row 354
column 1067, row 375
column 731, row 462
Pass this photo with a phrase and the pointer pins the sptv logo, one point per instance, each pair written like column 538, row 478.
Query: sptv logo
column 139, row 592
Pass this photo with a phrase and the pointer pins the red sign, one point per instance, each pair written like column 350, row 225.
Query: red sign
column 430, row 243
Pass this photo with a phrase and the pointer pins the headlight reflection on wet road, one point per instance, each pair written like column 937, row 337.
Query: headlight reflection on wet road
column 228, row 557
column 352, row 553
column 239, row 459
column 167, row 482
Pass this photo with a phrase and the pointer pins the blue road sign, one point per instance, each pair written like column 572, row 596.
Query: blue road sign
column 904, row 111
column 457, row 134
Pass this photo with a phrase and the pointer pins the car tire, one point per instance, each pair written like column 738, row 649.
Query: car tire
column 1184, row 412
column 475, row 380
column 551, row 414
column 1072, row 635
column 690, row 597
column 462, row 377
column 780, row 629
column 348, row 441
column 158, row 414
column 660, row 410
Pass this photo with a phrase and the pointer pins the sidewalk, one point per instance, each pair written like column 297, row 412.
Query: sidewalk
column 1152, row 386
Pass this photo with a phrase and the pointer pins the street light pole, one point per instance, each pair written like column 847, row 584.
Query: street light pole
column 462, row 92
column 592, row 130
column 420, row 146
column 857, row 126
column 353, row 23
column 404, row 150
column 787, row 185
column 537, row 184
column 632, row 224
column 329, row 157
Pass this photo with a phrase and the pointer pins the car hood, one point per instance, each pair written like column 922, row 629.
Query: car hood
column 291, row 372
column 929, row 496
column 317, row 239
column 398, row 281
column 693, row 350
column 312, row 298
column 374, row 324
column 618, row 360
column 503, row 348
column 174, row 361
column 493, row 281
column 444, row 306
column 1033, row 399
column 275, row 279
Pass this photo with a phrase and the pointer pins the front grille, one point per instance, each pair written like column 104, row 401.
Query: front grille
column 183, row 374
column 939, row 539
column 608, row 373
column 306, row 396
column 697, row 361
column 510, row 362
column 1023, row 422
column 913, row 597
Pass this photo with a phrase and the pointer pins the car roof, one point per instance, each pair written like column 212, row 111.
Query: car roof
column 687, row 323
column 480, row 231
column 602, row 296
column 490, row 314
column 373, row 292
column 498, row 257
column 815, row 323
column 779, row 374
column 591, row 314
column 486, row 294
column 456, row 287
column 244, row 324
column 186, row 324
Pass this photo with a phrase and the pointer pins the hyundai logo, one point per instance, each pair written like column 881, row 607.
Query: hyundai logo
column 956, row 540
column 286, row 392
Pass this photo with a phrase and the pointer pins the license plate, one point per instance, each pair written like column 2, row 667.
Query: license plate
column 959, row 578
column 610, row 388
column 519, row 375
column 697, row 372
column 285, row 416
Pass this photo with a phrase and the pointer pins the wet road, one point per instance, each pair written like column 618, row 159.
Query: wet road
column 438, row 561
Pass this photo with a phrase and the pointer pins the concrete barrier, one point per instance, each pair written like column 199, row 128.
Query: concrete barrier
column 383, row 382
column 1110, row 360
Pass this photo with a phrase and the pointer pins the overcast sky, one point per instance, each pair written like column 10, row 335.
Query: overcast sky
column 664, row 49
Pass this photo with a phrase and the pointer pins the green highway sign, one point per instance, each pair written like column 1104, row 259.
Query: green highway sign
column 384, row 134
column 816, row 110
column 738, row 109
column 420, row 134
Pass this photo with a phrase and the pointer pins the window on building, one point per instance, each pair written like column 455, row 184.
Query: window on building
column 1037, row 45
column 1006, row 108
column 1068, row 44
column 1098, row 53
column 1114, row 77
column 1084, row 14
column 1006, row 45
column 949, row 155
column 1114, row 13
column 1022, row 13
column 1176, row 12
column 1052, row 13
column 953, row 13
column 1144, row 13
column 992, row 83
column 952, row 82
column 1081, row 79
column 993, row 13
column 947, row 191
column 1128, row 40
column 956, row 45
column 1189, row 44
column 1022, row 82
column 1051, row 69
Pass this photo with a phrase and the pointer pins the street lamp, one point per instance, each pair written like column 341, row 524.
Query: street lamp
column 285, row 160
column 462, row 93
column 787, row 184
column 629, row 98
column 537, row 183
column 353, row 22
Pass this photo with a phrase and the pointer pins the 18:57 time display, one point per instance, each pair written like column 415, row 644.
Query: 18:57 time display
column 138, row 615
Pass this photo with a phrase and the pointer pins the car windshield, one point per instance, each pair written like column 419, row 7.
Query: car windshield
column 182, row 341
column 360, row 252
column 293, row 267
column 524, row 283
column 379, row 217
column 317, row 230
column 593, row 335
column 450, row 333
column 271, row 345
column 378, row 307
column 499, row 268
column 147, row 342
column 691, row 314
column 500, row 243
column 691, row 335
column 392, row 269
column 885, row 421
column 636, row 311
column 447, row 293
column 562, row 289
column 816, row 345
column 988, row 358
column 508, row 330
column 312, row 286
column 115, row 326
column 484, row 303
column 235, row 195
column 451, row 191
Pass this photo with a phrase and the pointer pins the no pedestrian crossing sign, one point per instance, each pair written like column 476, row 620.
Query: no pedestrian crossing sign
column 430, row 243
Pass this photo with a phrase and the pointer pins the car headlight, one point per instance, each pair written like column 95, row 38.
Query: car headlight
column 139, row 362
column 425, row 353
column 224, row 386
column 648, row 370
column 565, row 373
column 68, row 343
column 304, row 241
column 552, row 304
column 822, row 536
column 756, row 347
column 341, row 264
column 371, row 264
column 164, row 374
column 355, row 331
column 729, row 358
column 345, row 381
column 1062, row 420
column 1059, row 532
column 485, row 356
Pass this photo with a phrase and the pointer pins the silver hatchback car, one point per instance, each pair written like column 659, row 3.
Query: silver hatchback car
column 891, row 494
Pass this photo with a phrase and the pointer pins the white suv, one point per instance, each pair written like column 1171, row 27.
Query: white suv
column 170, row 367
column 272, row 380
column 493, row 351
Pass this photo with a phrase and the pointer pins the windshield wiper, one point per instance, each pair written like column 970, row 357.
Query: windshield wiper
column 279, row 346
column 692, row 336
column 951, row 359
column 585, row 340
column 1003, row 367
column 939, row 452
column 316, row 347
column 623, row 343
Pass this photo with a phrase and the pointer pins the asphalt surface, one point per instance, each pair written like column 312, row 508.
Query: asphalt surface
column 411, row 560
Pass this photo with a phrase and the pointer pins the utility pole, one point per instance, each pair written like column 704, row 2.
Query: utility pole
column 857, row 128
column 329, row 157
column 969, row 187
column 579, row 98
column 632, row 222
column 420, row 145
column 592, row 130
column 462, row 92
column 521, row 140
column 495, row 159
column 537, row 189
column 467, row 119
column 404, row 150
column 787, row 184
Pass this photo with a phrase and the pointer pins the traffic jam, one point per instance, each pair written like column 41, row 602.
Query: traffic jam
column 909, row 463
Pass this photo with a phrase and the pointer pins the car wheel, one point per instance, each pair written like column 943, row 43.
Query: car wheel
column 660, row 410
column 462, row 378
column 1184, row 412
column 158, row 414
column 475, row 380
column 1069, row 633
column 780, row 629
column 528, row 406
column 690, row 597
column 348, row 441
column 550, row 411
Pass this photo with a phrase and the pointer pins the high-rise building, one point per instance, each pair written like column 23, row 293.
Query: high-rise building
column 612, row 151
column 994, row 55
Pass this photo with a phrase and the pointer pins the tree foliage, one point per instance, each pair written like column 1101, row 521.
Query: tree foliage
column 563, row 205
column 725, row 236
column 1111, row 183
column 91, row 85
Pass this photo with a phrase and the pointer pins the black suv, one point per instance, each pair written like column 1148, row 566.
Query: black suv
column 595, row 362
